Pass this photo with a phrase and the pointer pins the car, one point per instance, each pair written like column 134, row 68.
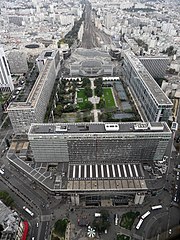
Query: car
column 177, row 177
column 176, row 187
column 175, row 199
column 170, row 231
column 105, row 231
column 37, row 224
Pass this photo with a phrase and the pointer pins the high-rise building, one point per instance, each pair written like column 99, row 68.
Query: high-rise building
column 156, row 66
column 33, row 110
column 17, row 62
column 6, row 83
column 98, row 142
column 154, row 103
column 98, row 161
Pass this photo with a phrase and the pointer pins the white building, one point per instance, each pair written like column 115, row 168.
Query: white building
column 33, row 110
column 6, row 83
column 153, row 102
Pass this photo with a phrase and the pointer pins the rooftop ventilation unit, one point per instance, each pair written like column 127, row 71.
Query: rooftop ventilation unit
column 111, row 127
column 61, row 128
column 141, row 126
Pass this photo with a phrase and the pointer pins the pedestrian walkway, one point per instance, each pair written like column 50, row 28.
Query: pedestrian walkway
column 94, row 111
column 46, row 218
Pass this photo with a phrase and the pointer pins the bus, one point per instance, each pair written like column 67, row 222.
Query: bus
column 97, row 214
column 2, row 171
column 139, row 224
column 145, row 215
column 116, row 219
column 156, row 207
column 174, row 126
column 28, row 211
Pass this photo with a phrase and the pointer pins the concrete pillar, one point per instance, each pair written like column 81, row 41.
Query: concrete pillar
column 142, row 198
column 76, row 199
column 137, row 198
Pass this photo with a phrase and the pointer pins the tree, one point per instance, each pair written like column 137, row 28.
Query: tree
column 101, row 103
column 99, row 91
column 88, row 91
column 88, row 106
column 86, row 82
column 69, row 108
column 58, row 110
column 60, row 227
column 98, row 82
column 102, row 223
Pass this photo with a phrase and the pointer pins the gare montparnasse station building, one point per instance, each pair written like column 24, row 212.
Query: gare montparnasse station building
column 92, row 163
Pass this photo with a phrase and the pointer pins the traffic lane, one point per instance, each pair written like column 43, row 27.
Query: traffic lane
column 34, row 193
column 34, row 230
column 18, row 201
column 150, row 228
column 24, row 186
column 44, row 231
column 21, row 189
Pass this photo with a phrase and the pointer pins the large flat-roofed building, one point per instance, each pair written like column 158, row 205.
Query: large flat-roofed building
column 97, row 163
column 33, row 110
column 156, row 65
column 91, row 63
column 154, row 103
column 98, row 142
column 6, row 83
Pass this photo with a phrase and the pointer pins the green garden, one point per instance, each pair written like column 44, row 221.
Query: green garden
column 122, row 237
column 127, row 219
column 108, row 98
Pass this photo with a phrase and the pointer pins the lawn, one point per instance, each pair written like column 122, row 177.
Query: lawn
column 108, row 98
column 128, row 218
column 81, row 99
column 122, row 237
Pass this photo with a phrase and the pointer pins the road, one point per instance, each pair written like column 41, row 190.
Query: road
column 22, row 190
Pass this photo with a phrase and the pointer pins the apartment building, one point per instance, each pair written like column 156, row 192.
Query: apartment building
column 33, row 110
column 98, row 142
column 156, row 66
column 152, row 101
column 6, row 83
